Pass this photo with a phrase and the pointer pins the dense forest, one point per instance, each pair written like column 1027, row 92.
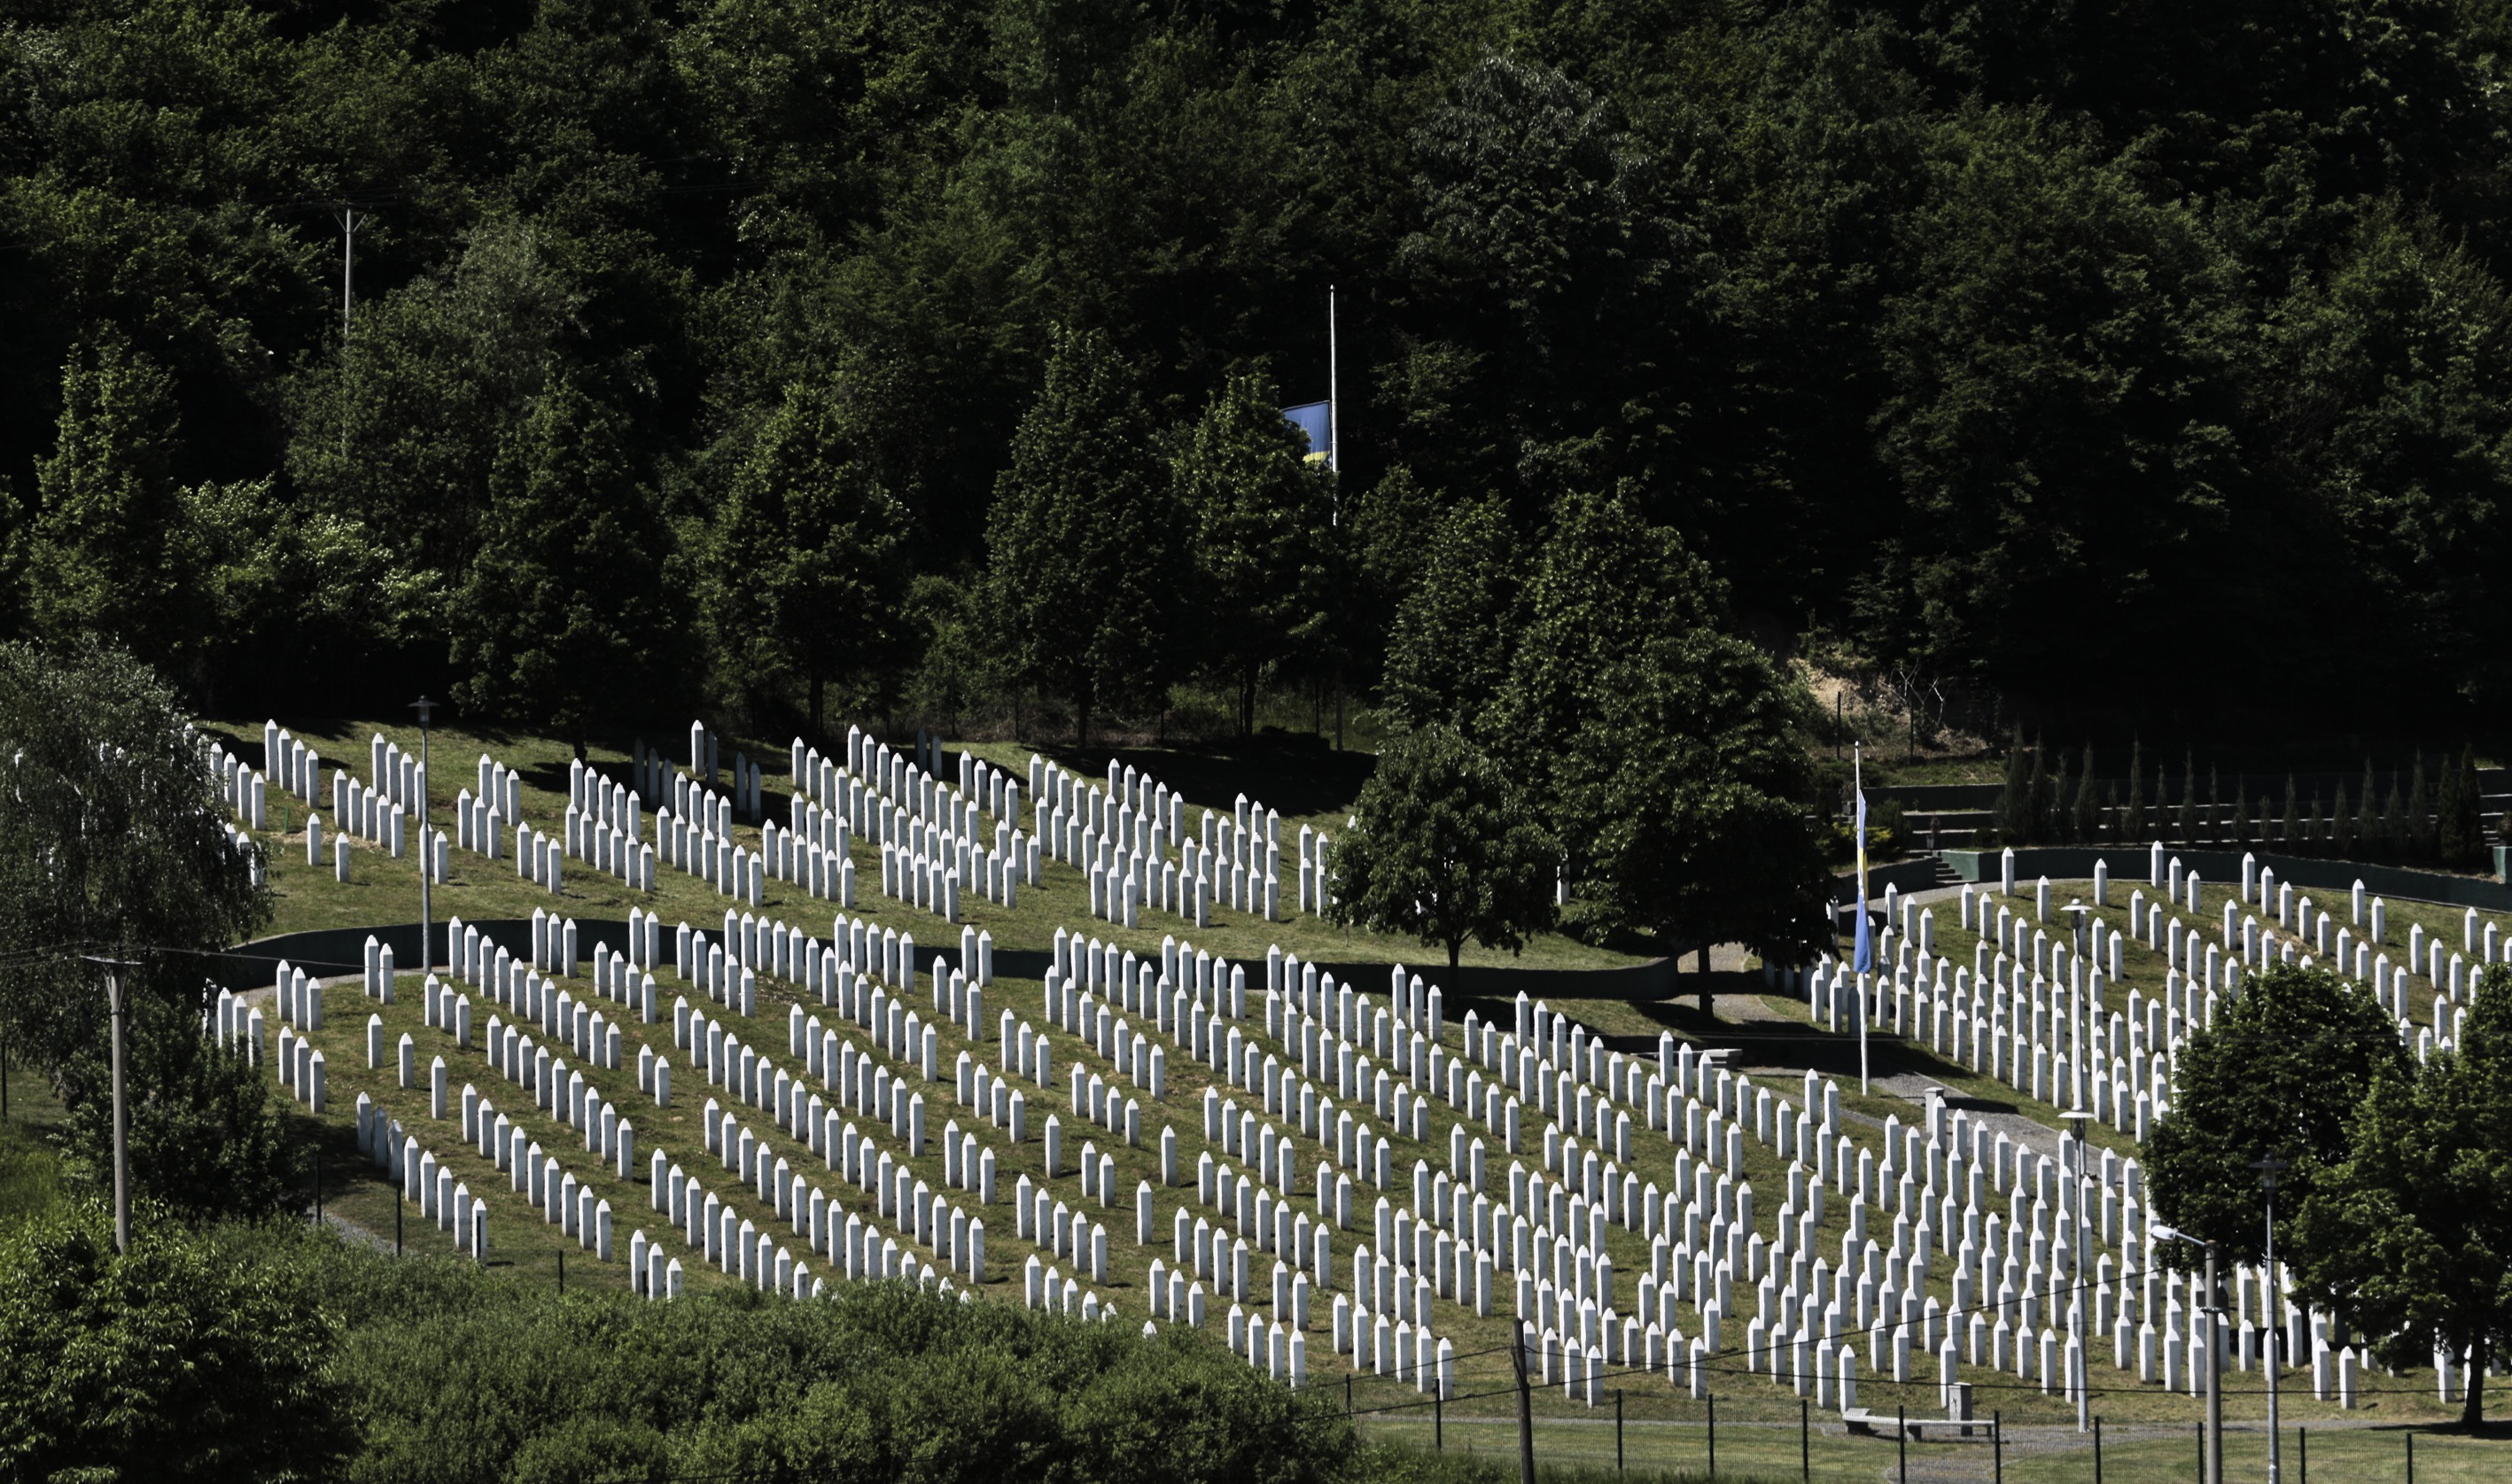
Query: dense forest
column 2132, row 363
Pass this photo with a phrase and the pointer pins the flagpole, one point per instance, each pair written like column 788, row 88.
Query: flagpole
column 1858, row 780
column 1334, row 404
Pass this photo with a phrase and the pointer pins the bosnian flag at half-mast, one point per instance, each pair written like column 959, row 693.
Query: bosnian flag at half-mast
column 1864, row 963
column 1316, row 421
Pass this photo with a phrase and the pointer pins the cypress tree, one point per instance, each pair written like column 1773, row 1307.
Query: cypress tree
column 1083, row 538
column 2216, row 823
column 2038, row 822
column 2290, row 836
column 2418, row 844
column 2014, row 803
column 2459, row 837
column 2368, row 824
column 2343, row 827
column 2396, row 832
column 2189, row 799
column 2313, row 840
column 2085, row 832
column 2132, row 824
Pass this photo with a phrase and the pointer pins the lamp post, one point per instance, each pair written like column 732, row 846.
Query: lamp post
column 2269, row 1168
column 426, row 846
column 2078, row 1121
column 2077, row 994
column 2215, row 1357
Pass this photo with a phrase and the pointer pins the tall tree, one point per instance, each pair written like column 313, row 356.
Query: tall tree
column 1449, row 654
column 1669, row 753
column 2408, row 1236
column 1262, row 515
column 565, row 617
column 1085, row 541
column 113, row 840
column 2459, row 837
column 804, row 581
column 1444, row 847
column 2279, row 1073
column 111, row 553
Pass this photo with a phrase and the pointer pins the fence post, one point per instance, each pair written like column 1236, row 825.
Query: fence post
column 1805, row 1437
column 1712, row 1399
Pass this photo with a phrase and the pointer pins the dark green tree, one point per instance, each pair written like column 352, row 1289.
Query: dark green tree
column 804, row 581
column 2085, row 823
column 110, row 553
column 400, row 430
column 1444, row 847
column 564, row 620
column 2015, row 795
column 2279, row 1075
column 205, row 1138
column 2417, row 839
column 2408, row 1236
column 165, row 1362
column 1449, row 654
column 2188, row 822
column 1262, row 516
column 2367, row 829
column 2459, row 837
column 1085, row 541
column 2132, row 826
column 113, row 842
column 1669, row 751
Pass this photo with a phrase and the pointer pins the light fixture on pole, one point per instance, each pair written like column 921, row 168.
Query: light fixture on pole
column 2079, row 997
column 2269, row 1169
column 2080, row 1368
column 426, row 846
column 2214, row 1352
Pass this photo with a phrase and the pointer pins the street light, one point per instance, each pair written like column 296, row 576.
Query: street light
column 2082, row 1369
column 426, row 846
column 2078, row 1009
column 2269, row 1168
column 2215, row 1358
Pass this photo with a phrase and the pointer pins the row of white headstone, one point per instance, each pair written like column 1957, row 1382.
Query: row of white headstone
column 2119, row 1178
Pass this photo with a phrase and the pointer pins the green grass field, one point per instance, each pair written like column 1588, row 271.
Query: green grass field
column 385, row 890
column 1764, row 1416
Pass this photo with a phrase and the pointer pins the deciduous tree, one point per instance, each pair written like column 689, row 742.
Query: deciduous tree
column 1444, row 847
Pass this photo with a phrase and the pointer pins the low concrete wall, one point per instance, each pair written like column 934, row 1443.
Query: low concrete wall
column 1909, row 876
column 2132, row 865
column 327, row 952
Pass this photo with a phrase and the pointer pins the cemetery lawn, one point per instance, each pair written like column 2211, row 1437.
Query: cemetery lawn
column 31, row 1180
column 527, row 1247
column 384, row 890
column 530, row 1248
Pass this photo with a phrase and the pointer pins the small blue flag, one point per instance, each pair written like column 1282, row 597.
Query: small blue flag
column 1866, row 959
column 1316, row 421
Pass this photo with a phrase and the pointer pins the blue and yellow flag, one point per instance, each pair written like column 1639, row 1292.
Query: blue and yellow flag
column 1316, row 421
column 1864, row 963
